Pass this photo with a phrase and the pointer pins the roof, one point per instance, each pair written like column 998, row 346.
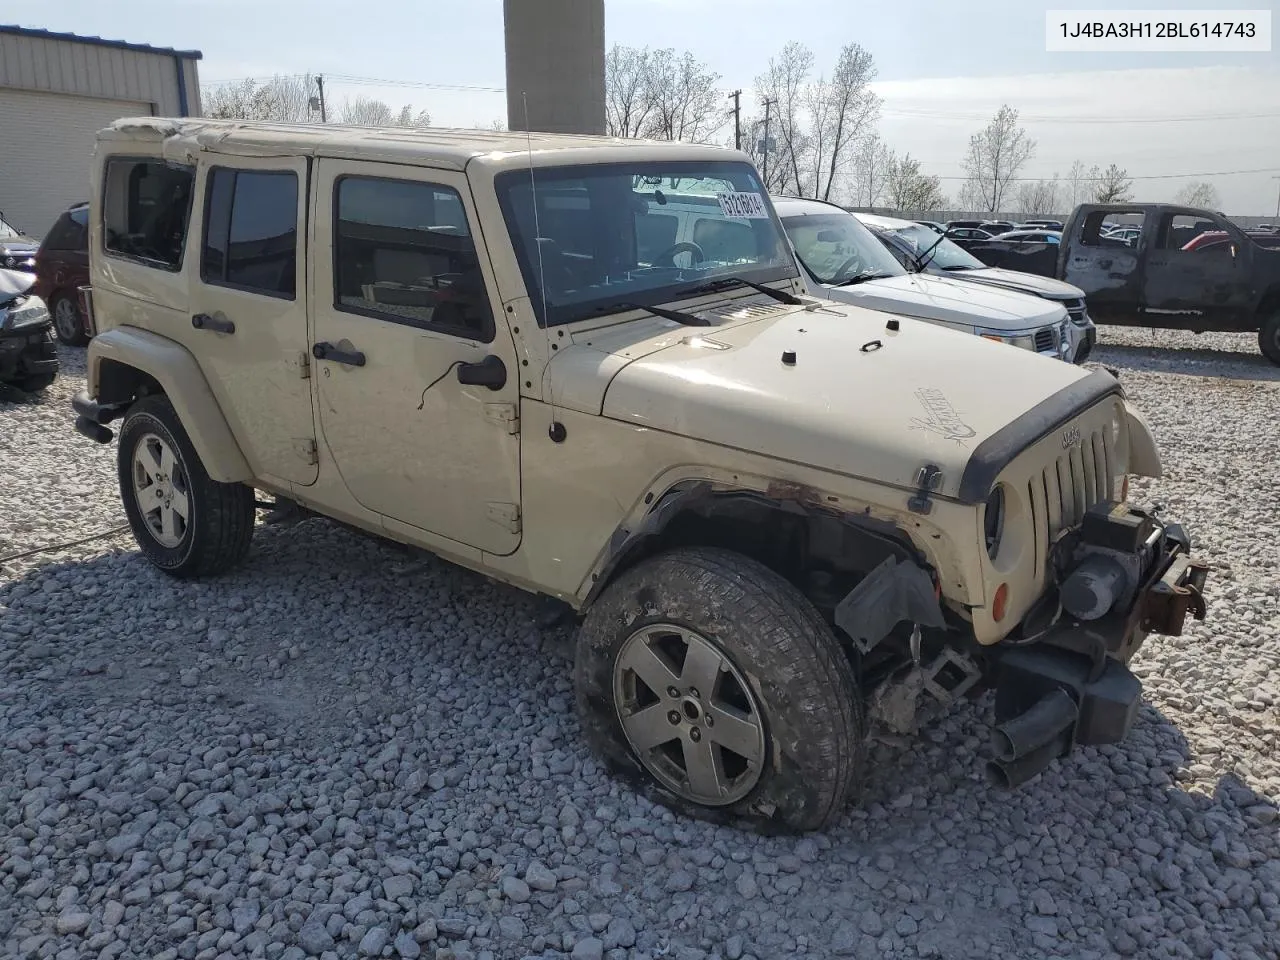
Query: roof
column 804, row 206
column 99, row 42
column 435, row 146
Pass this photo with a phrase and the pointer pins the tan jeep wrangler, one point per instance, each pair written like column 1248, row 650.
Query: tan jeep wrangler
column 590, row 368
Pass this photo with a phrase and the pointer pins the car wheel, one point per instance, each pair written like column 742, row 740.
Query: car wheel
column 36, row 382
column 186, row 523
column 1269, row 338
column 713, row 683
column 67, row 321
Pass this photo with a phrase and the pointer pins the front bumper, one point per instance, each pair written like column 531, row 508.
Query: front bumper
column 27, row 352
column 1087, row 661
column 26, row 262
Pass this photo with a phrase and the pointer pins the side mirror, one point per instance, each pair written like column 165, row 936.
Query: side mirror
column 490, row 372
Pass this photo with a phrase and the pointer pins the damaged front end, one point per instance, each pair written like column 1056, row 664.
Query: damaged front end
column 1123, row 574
column 1061, row 677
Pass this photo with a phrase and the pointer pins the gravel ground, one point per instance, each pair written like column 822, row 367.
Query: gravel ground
column 184, row 773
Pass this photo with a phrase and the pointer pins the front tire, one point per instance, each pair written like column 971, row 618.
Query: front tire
column 67, row 322
column 714, row 684
column 1269, row 338
column 187, row 524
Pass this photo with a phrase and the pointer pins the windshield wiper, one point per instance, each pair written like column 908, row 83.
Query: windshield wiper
column 724, row 283
column 959, row 266
column 679, row 316
column 924, row 258
column 865, row 275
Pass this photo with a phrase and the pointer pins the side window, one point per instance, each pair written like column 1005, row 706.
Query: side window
column 1095, row 232
column 1180, row 230
column 146, row 209
column 251, row 231
column 403, row 251
column 64, row 234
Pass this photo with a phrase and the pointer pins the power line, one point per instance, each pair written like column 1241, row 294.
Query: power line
column 365, row 81
column 1151, row 176
column 978, row 118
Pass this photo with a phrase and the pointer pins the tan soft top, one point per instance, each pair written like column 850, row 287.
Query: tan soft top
column 428, row 146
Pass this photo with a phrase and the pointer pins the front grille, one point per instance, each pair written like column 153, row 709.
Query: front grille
column 1065, row 489
column 1046, row 340
column 1075, row 310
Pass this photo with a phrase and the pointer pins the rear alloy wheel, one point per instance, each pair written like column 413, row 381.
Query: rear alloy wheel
column 187, row 523
column 713, row 684
column 67, row 321
column 1269, row 338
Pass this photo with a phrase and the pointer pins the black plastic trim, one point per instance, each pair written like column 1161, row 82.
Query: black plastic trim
column 998, row 450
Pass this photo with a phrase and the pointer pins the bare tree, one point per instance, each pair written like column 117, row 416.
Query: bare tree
column 872, row 165
column 784, row 83
column 906, row 188
column 1081, row 183
column 1113, row 186
column 841, row 110
column 282, row 98
column 996, row 153
column 627, row 95
column 685, row 103
column 1202, row 194
column 1038, row 197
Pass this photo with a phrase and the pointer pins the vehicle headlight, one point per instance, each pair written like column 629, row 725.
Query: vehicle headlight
column 993, row 521
column 24, row 312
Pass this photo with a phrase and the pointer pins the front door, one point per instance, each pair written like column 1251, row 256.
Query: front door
column 1188, row 279
column 1106, row 267
column 402, row 308
column 249, row 308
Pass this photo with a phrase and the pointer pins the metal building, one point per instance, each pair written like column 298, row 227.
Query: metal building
column 555, row 65
column 56, row 91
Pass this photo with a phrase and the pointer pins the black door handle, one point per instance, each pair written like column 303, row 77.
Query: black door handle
column 490, row 372
column 205, row 321
column 327, row 351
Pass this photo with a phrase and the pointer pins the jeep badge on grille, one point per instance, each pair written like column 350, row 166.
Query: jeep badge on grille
column 1070, row 437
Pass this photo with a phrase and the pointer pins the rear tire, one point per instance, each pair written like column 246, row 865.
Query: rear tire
column 789, row 746
column 1269, row 338
column 67, row 321
column 36, row 383
column 187, row 524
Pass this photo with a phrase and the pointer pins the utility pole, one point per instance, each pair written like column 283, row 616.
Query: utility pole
column 737, row 119
column 765, row 151
column 324, row 117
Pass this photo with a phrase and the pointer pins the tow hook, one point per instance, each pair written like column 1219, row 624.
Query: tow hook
column 1166, row 602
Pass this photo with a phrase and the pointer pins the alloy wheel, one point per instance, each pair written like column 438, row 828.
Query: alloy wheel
column 161, row 491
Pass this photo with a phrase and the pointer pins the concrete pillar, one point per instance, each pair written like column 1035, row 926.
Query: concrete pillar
column 555, row 59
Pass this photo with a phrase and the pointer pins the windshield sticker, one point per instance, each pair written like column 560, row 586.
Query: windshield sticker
column 743, row 206
column 941, row 417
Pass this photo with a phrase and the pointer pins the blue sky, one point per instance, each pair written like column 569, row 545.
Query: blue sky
column 944, row 65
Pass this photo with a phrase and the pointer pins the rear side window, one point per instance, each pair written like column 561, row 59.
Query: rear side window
column 251, row 231
column 146, row 210
column 69, row 231
column 403, row 252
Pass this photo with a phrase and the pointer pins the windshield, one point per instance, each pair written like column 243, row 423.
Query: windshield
column 947, row 255
column 607, row 236
column 836, row 248
column 7, row 232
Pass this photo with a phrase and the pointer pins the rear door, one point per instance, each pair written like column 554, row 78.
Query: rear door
column 248, row 308
column 1107, row 269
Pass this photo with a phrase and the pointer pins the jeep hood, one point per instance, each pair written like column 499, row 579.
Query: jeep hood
column 1031, row 283
column 859, row 400
column 942, row 299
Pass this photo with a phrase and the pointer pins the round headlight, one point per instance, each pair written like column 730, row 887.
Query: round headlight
column 993, row 521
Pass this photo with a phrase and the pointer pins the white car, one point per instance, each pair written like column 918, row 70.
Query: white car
column 847, row 263
column 918, row 250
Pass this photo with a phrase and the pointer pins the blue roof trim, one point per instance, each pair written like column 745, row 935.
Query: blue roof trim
column 99, row 42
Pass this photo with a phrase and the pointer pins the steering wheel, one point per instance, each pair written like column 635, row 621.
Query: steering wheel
column 668, row 257
column 849, row 264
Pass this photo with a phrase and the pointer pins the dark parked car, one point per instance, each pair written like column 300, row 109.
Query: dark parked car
column 17, row 250
column 28, row 355
column 1030, row 236
column 954, row 224
column 998, row 226
column 967, row 233
column 62, row 267
column 1042, row 225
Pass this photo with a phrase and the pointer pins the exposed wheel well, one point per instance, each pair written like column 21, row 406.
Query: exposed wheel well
column 822, row 552
column 118, row 382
